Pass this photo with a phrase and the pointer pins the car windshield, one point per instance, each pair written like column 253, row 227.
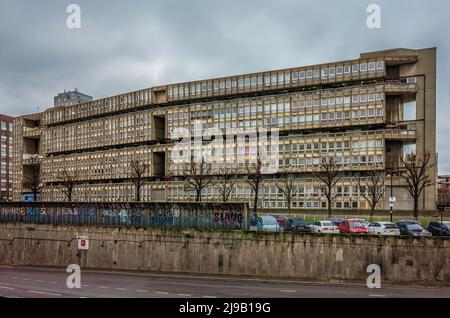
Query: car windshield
column 355, row 224
column 446, row 224
column 300, row 222
column 414, row 226
column 390, row 226
column 269, row 221
column 327, row 223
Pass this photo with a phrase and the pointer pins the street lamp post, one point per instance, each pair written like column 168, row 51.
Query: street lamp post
column 391, row 202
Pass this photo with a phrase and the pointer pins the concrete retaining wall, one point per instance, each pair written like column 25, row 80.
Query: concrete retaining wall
column 304, row 257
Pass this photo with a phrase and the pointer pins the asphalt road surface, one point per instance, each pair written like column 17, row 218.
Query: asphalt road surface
column 51, row 283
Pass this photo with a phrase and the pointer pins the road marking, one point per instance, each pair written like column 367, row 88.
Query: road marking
column 374, row 295
column 82, row 297
column 52, row 282
column 102, row 287
column 121, row 289
column 162, row 293
column 209, row 297
column 44, row 293
column 141, row 291
column 85, row 286
column 185, row 295
column 6, row 287
column 287, row 291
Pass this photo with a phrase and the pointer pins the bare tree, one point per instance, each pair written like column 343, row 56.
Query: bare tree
column 198, row 177
column 138, row 171
column 329, row 177
column 372, row 189
column 254, row 178
column 226, row 183
column 67, row 181
column 417, row 176
column 287, row 186
column 33, row 180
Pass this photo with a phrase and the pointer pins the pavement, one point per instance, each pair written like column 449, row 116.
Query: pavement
column 29, row 282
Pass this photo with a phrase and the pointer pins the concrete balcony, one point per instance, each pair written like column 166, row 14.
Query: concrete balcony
column 31, row 158
column 400, row 134
column 399, row 88
column 34, row 132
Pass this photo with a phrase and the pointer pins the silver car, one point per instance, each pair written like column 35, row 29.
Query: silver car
column 383, row 228
column 267, row 224
column 324, row 227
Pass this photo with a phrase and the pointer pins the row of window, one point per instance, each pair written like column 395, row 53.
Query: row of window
column 276, row 78
column 234, row 109
column 307, row 196
column 97, row 107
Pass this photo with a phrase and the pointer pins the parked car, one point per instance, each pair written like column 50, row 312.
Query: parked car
column 324, row 227
column 267, row 224
column 300, row 226
column 352, row 226
column 383, row 228
column 412, row 228
column 365, row 223
column 439, row 228
column 282, row 221
column 337, row 221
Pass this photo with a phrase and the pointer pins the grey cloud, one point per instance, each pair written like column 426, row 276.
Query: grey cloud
column 127, row 45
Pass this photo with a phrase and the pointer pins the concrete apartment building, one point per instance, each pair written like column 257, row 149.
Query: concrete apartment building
column 443, row 189
column 71, row 98
column 6, row 140
column 365, row 113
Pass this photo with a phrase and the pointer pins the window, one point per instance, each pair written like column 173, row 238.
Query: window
column 380, row 65
column 347, row 69
column 355, row 99
column 309, row 74
column 294, row 76
column 301, row 75
column 409, row 110
column 324, row 73
column 339, row 70
column 316, row 73
column 331, row 71
column 372, row 66
column 363, row 67
column 355, row 68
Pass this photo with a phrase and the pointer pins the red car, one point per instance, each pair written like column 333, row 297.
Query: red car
column 352, row 226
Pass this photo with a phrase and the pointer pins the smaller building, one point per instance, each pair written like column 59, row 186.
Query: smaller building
column 71, row 98
column 6, row 154
column 443, row 188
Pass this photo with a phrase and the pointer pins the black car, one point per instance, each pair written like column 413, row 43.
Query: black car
column 412, row 228
column 300, row 226
column 439, row 228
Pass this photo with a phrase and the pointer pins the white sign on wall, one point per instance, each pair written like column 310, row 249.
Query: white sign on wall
column 83, row 242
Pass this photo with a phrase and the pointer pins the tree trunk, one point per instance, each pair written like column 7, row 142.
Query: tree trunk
column 372, row 212
column 416, row 208
column 329, row 206
column 138, row 193
column 198, row 196
column 255, row 201
column 289, row 205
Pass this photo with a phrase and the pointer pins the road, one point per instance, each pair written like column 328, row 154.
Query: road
column 51, row 283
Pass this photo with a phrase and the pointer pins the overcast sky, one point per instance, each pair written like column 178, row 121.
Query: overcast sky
column 128, row 45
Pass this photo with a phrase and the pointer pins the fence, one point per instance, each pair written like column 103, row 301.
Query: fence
column 223, row 216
